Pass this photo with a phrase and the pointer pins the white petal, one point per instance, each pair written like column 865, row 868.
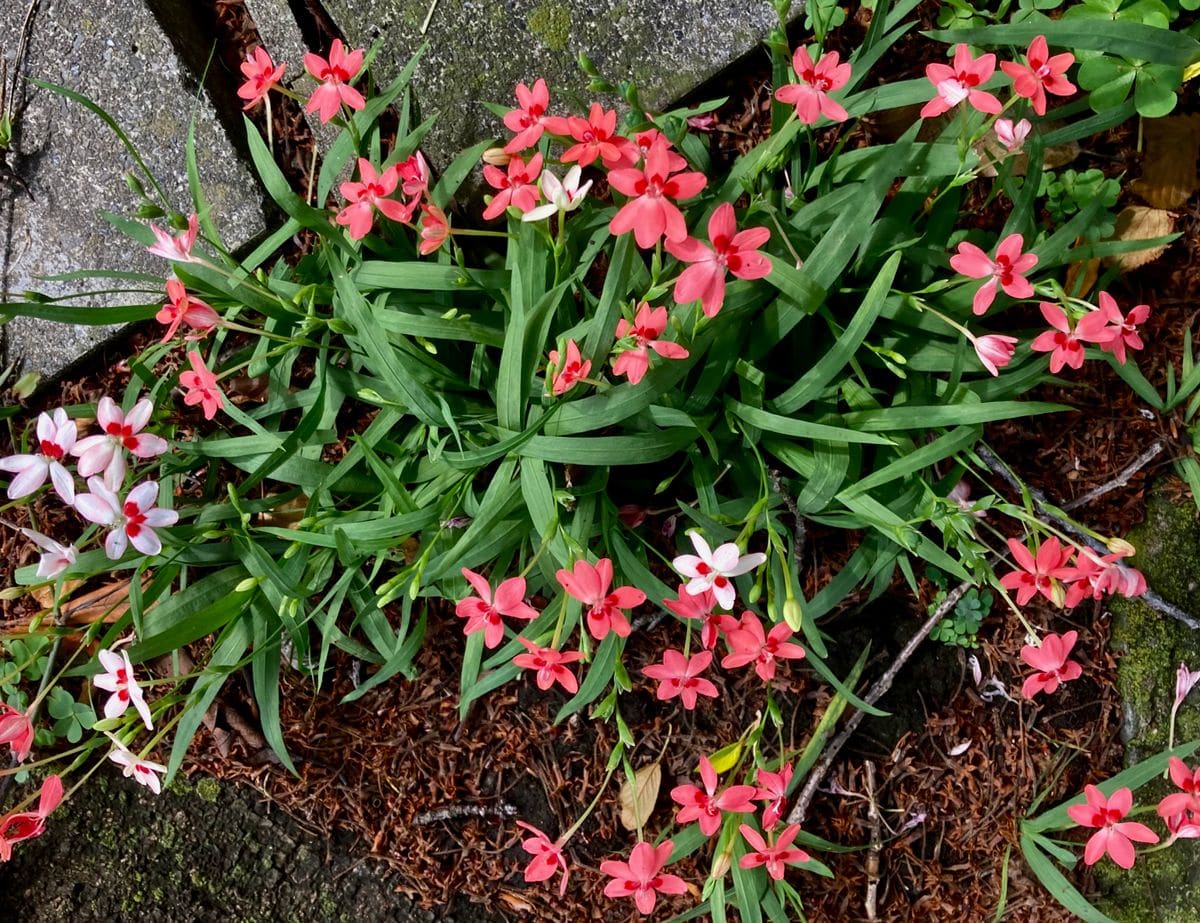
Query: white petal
column 139, row 702
column 29, row 480
column 95, row 509
column 725, row 558
column 108, row 412
column 686, row 564
column 148, row 445
column 137, row 418
column 95, row 452
column 745, row 565
column 701, row 546
column 115, row 544
column 146, row 541
column 114, row 471
column 540, row 212
column 157, row 518
column 114, row 707
column 725, row 594
column 45, row 428
column 111, row 661
column 144, row 496
column 63, row 482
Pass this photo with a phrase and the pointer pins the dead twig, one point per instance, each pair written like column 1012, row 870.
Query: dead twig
column 452, row 811
column 1120, row 480
column 876, row 845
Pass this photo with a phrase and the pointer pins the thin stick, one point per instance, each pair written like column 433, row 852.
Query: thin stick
column 877, row 692
column 1122, row 478
column 873, row 818
column 428, row 17
column 452, row 811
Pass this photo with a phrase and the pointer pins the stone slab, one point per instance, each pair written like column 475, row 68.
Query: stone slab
column 116, row 53
column 479, row 49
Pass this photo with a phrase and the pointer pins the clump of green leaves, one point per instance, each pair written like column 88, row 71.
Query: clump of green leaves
column 1070, row 191
column 961, row 627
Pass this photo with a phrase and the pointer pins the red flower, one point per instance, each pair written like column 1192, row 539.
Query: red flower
column 641, row 877
column 594, row 136
column 201, row 385
column 1041, row 74
column 811, row 97
column 549, row 665
column 590, row 586
column 573, row 369
column 182, row 309
column 518, row 187
column 261, row 75
column 648, row 325
column 1124, row 326
column 650, row 213
column 772, row 788
column 413, row 174
column 26, row 825
column 483, row 612
column 435, row 229
column 749, row 645
column 335, row 76
column 776, row 856
column 529, row 118
column 732, row 251
column 1112, row 837
column 700, row 606
column 1064, row 344
column 547, row 858
column 1006, row 271
column 1093, row 576
column 705, row 805
column 1050, row 661
column 1040, row 574
column 16, row 730
column 680, row 676
column 957, row 83
column 994, row 351
column 371, row 193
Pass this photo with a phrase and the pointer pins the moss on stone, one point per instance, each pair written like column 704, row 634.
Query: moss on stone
column 208, row 789
column 550, row 23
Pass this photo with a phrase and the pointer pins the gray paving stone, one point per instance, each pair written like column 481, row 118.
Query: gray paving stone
column 114, row 52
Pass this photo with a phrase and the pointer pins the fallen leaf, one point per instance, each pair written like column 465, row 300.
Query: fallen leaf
column 108, row 602
column 1169, row 166
column 1137, row 222
column 638, row 795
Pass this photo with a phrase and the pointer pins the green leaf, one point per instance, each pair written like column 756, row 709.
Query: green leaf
column 1057, row 884
column 787, row 426
column 264, row 670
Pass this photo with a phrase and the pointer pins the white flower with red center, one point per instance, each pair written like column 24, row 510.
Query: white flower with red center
column 134, row 767
column 714, row 569
column 121, row 431
column 55, row 559
column 118, row 679
column 56, row 439
column 130, row 522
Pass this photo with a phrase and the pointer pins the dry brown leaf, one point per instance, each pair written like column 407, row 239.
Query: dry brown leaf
column 637, row 799
column 1137, row 222
column 285, row 514
column 108, row 602
column 1169, row 167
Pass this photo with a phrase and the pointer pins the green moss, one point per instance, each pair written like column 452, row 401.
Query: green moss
column 550, row 23
column 1160, row 888
column 208, row 789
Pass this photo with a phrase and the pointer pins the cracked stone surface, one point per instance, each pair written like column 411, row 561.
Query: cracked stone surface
column 117, row 54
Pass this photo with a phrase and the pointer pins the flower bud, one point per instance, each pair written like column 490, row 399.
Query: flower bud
column 496, row 157
column 1121, row 547
column 792, row 613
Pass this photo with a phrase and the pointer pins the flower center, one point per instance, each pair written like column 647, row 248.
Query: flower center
column 52, row 449
column 134, row 519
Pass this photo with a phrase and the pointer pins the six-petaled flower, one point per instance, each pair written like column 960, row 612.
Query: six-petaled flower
column 547, row 858
column 700, row 606
column 594, row 136
column 1041, row 74
column 334, row 76
column 371, row 193
column 961, row 81
column 176, row 248
column 517, row 186
column 650, row 212
column 707, row 806
column 773, row 789
column 713, row 569
column 144, row 772
column 1049, row 660
column 549, row 664
column 483, row 612
column 201, row 387
column 16, row 730
column 994, row 350
column 180, row 308
column 648, row 325
column 121, row 432
column 1124, row 327
column 528, row 119
column 25, row 825
column 731, row 251
column 561, row 196
column 56, row 439
column 817, row 81
column 1006, row 271
column 1012, row 135
column 130, row 522
column 1113, row 836
column 261, row 75
column 55, row 557
column 118, row 679
column 749, row 644
column 642, row 877
column 434, row 229
column 568, row 372
column 1038, row 574
column 1064, row 342
column 678, row 675
column 590, row 585
column 775, row 856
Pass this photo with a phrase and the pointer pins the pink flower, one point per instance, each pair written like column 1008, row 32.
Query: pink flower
column 120, row 431
column 634, row 151
column 16, row 730
column 680, row 676
column 413, row 174
column 648, row 325
column 650, row 213
column 528, row 119
column 483, row 612
column 335, row 76
column 56, row 439
column 132, row 522
column 1112, row 837
column 641, row 877
column 958, row 82
column 1040, row 574
column 26, row 825
column 1051, row 663
column 182, row 309
column 590, row 586
column 573, row 369
column 134, row 767
column 811, row 96
column 435, row 228
column 1125, row 333
column 994, row 351
column 549, row 665
column 1041, row 74
column 710, row 569
column 364, row 197
column 177, row 249
column 1012, row 136
column 518, row 187
column 1182, row 827
column 118, row 679
column 1006, row 271
column 748, row 644
column 594, row 136
column 775, row 857
column 201, row 385
column 1188, row 798
column 1065, row 344
column 56, row 558
column 547, row 858
column 1185, row 679
column 773, row 789
column 732, row 251
column 261, row 75
column 705, row 805
column 700, row 606
column 1093, row 576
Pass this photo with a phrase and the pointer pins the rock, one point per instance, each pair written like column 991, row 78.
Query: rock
column 116, row 53
column 479, row 49
column 1163, row 887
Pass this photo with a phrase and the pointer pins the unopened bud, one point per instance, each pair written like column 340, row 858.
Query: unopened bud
column 721, row 864
column 1121, row 547
column 13, row 592
column 792, row 613
column 1058, row 594
column 245, row 586
column 496, row 156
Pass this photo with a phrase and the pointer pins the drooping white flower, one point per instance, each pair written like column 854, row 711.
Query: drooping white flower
column 561, row 196
column 145, row 772
column 57, row 557
column 118, row 679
